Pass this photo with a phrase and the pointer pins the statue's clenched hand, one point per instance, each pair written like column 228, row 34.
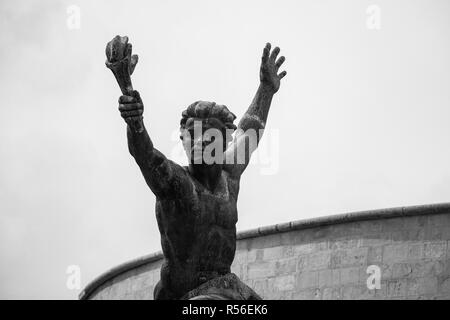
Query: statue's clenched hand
column 131, row 108
column 269, row 68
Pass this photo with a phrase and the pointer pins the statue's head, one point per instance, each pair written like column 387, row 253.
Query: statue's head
column 206, row 129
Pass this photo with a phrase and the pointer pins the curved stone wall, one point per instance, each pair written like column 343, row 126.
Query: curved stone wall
column 324, row 258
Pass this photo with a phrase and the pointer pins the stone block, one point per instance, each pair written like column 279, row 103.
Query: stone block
column 420, row 287
column 414, row 234
column 319, row 260
column 415, row 222
column 279, row 295
column 393, row 225
column 288, row 252
column 445, row 233
column 395, row 253
column 435, row 249
column 307, row 294
column 439, row 220
column 143, row 294
column 375, row 240
column 156, row 275
column 430, row 269
column 329, row 277
column 284, row 283
column 147, row 280
column 370, row 294
column 307, row 279
column 444, row 286
column 267, row 241
column 427, row 286
column 386, row 271
column 415, row 251
column 375, row 255
column 273, row 253
column 350, row 275
column 436, row 233
column 288, row 238
column 241, row 257
column 448, row 250
column 346, row 258
column 302, row 263
column 255, row 255
column 258, row 270
column 354, row 228
column 345, row 244
column 352, row 292
column 396, row 288
column 445, row 272
column 237, row 269
column 261, row 286
column 137, row 283
column 285, row 266
column 401, row 270
column 372, row 227
column 331, row 293
column 304, row 248
column 321, row 233
column 242, row 245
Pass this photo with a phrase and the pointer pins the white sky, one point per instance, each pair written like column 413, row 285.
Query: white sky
column 362, row 119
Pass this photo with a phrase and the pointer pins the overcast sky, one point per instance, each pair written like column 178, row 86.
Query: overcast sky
column 361, row 120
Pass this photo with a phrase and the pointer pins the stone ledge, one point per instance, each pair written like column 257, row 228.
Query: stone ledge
column 431, row 209
column 440, row 208
column 117, row 270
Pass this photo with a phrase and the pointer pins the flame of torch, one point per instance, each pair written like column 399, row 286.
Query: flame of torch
column 122, row 63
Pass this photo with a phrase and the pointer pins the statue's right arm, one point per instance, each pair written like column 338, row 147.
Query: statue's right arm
column 158, row 171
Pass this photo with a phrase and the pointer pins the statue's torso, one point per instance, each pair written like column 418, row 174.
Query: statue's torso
column 198, row 233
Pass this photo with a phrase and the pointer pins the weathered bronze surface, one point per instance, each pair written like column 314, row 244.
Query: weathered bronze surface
column 196, row 205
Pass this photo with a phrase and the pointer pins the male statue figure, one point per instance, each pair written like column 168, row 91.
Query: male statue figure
column 196, row 206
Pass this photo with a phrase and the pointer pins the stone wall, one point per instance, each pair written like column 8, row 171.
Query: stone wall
column 325, row 258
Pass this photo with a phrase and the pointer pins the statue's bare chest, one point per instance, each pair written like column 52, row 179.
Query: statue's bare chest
column 218, row 207
column 199, row 207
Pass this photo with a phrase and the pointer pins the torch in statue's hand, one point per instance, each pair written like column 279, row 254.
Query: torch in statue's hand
column 121, row 62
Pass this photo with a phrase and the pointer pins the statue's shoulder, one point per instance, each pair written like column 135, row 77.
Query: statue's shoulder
column 177, row 179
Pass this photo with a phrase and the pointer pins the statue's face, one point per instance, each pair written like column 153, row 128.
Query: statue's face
column 204, row 140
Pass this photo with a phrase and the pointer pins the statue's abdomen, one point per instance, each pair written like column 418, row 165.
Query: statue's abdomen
column 198, row 238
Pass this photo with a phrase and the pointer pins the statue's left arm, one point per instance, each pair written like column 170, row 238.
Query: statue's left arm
column 252, row 124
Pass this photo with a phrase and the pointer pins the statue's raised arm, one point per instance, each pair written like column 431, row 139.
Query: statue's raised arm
column 159, row 172
column 252, row 124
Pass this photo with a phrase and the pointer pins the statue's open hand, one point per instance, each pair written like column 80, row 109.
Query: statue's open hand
column 269, row 68
column 131, row 108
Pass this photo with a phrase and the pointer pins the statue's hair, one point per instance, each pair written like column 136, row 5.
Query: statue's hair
column 205, row 109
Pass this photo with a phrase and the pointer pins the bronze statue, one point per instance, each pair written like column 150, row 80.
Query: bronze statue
column 196, row 206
